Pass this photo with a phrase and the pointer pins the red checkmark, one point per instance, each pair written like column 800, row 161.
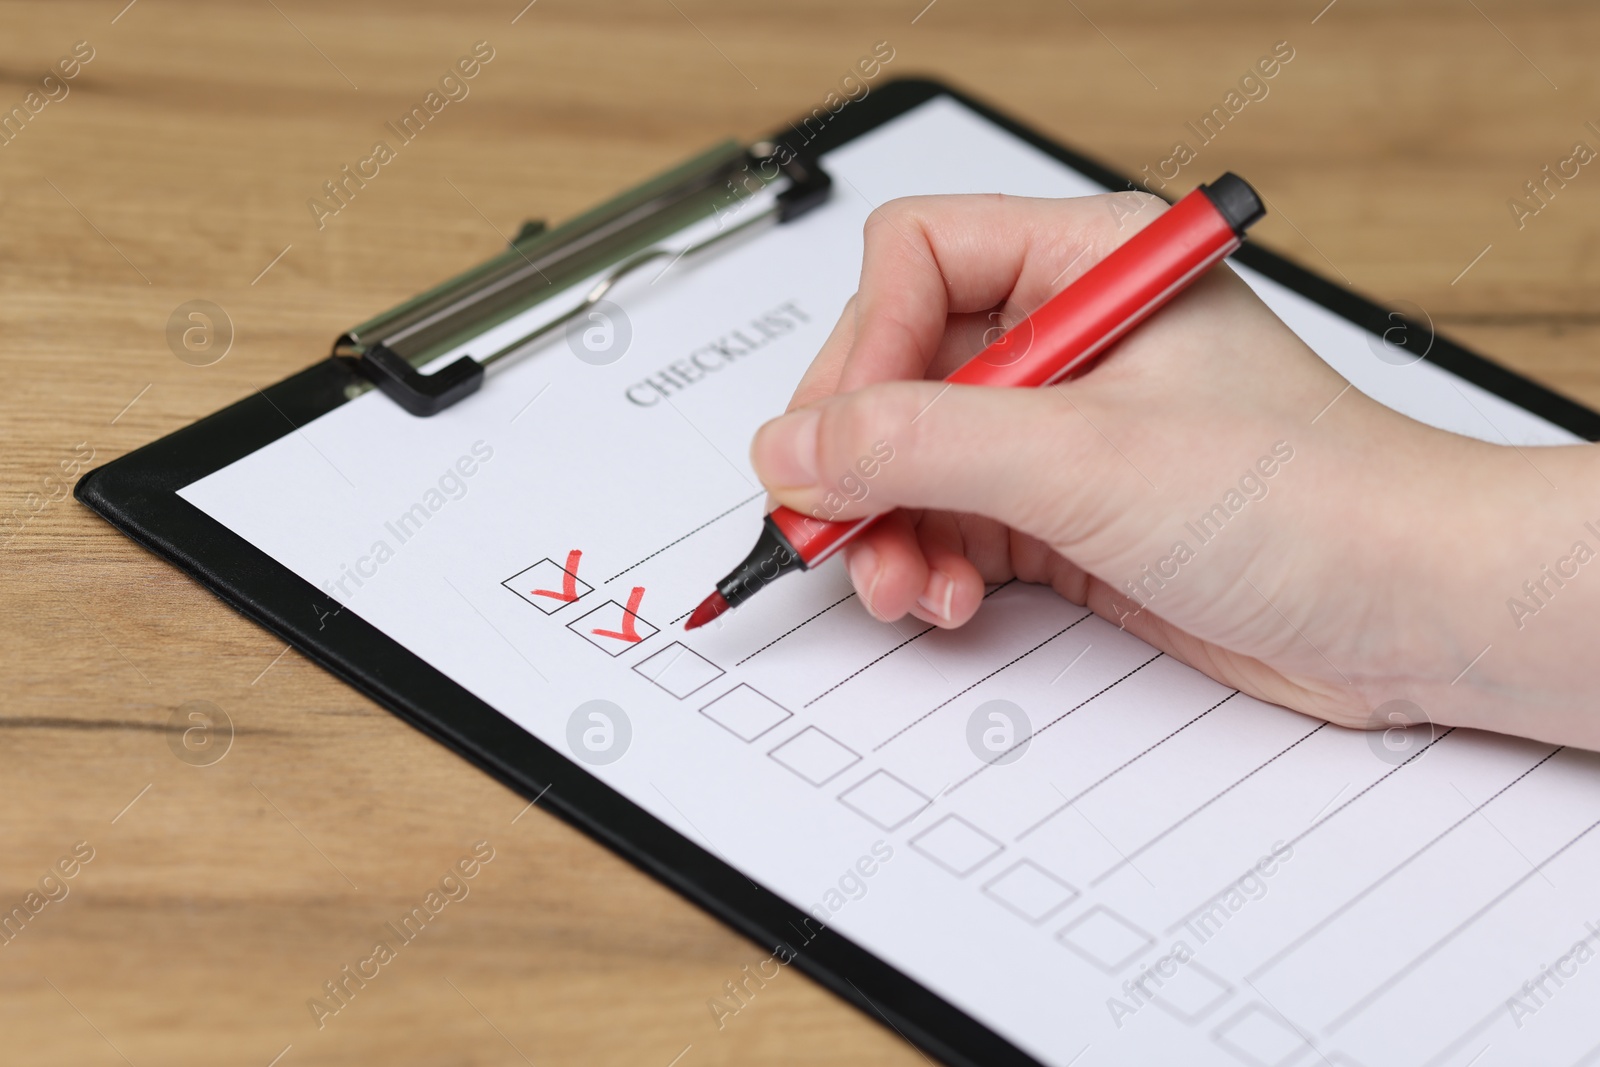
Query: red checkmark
column 630, row 629
column 569, row 581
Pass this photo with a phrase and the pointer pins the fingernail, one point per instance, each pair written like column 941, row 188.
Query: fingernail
column 864, row 576
column 939, row 598
column 785, row 450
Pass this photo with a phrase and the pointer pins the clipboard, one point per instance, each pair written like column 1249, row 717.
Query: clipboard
column 138, row 493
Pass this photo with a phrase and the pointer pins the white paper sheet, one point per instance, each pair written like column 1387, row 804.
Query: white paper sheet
column 1330, row 903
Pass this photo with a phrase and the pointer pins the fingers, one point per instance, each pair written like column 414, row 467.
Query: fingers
column 887, row 567
column 915, row 565
column 926, row 258
column 954, row 588
column 1024, row 457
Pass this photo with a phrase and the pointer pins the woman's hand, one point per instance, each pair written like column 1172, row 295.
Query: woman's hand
column 1211, row 485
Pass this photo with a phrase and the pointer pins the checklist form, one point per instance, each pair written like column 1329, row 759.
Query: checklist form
column 1094, row 850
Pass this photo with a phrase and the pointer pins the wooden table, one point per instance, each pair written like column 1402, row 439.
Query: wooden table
column 178, row 167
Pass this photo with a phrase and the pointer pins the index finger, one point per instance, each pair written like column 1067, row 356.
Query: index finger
column 926, row 258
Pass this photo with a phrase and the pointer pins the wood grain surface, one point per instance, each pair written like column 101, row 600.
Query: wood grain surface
column 178, row 165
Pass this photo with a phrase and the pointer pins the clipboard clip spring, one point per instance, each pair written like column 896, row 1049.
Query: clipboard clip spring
column 618, row 238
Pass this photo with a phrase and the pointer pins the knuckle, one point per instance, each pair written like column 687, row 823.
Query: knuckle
column 1121, row 215
column 849, row 427
column 865, row 430
column 911, row 216
column 890, row 214
column 1061, row 501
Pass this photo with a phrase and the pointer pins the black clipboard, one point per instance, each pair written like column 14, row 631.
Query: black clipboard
column 138, row 494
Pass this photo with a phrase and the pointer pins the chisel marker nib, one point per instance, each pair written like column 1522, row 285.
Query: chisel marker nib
column 709, row 608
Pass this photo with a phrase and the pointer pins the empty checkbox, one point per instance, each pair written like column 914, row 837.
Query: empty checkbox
column 549, row 586
column 884, row 800
column 679, row 670
column 956, row 845
column 1260, row 1038
column 1192, row 993
column 1030, row 891
column 745, row 713
column 814, row 756
column 1104, row 938
column 612, row 627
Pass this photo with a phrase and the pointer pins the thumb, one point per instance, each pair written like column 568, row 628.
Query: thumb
column 1029, row 458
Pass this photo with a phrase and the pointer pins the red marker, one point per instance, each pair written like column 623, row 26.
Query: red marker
column 1060, row 337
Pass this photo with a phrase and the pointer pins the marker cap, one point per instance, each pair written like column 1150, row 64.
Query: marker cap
column 1232, row 196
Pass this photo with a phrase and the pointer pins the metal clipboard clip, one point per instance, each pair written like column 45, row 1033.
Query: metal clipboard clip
column 616, row 238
